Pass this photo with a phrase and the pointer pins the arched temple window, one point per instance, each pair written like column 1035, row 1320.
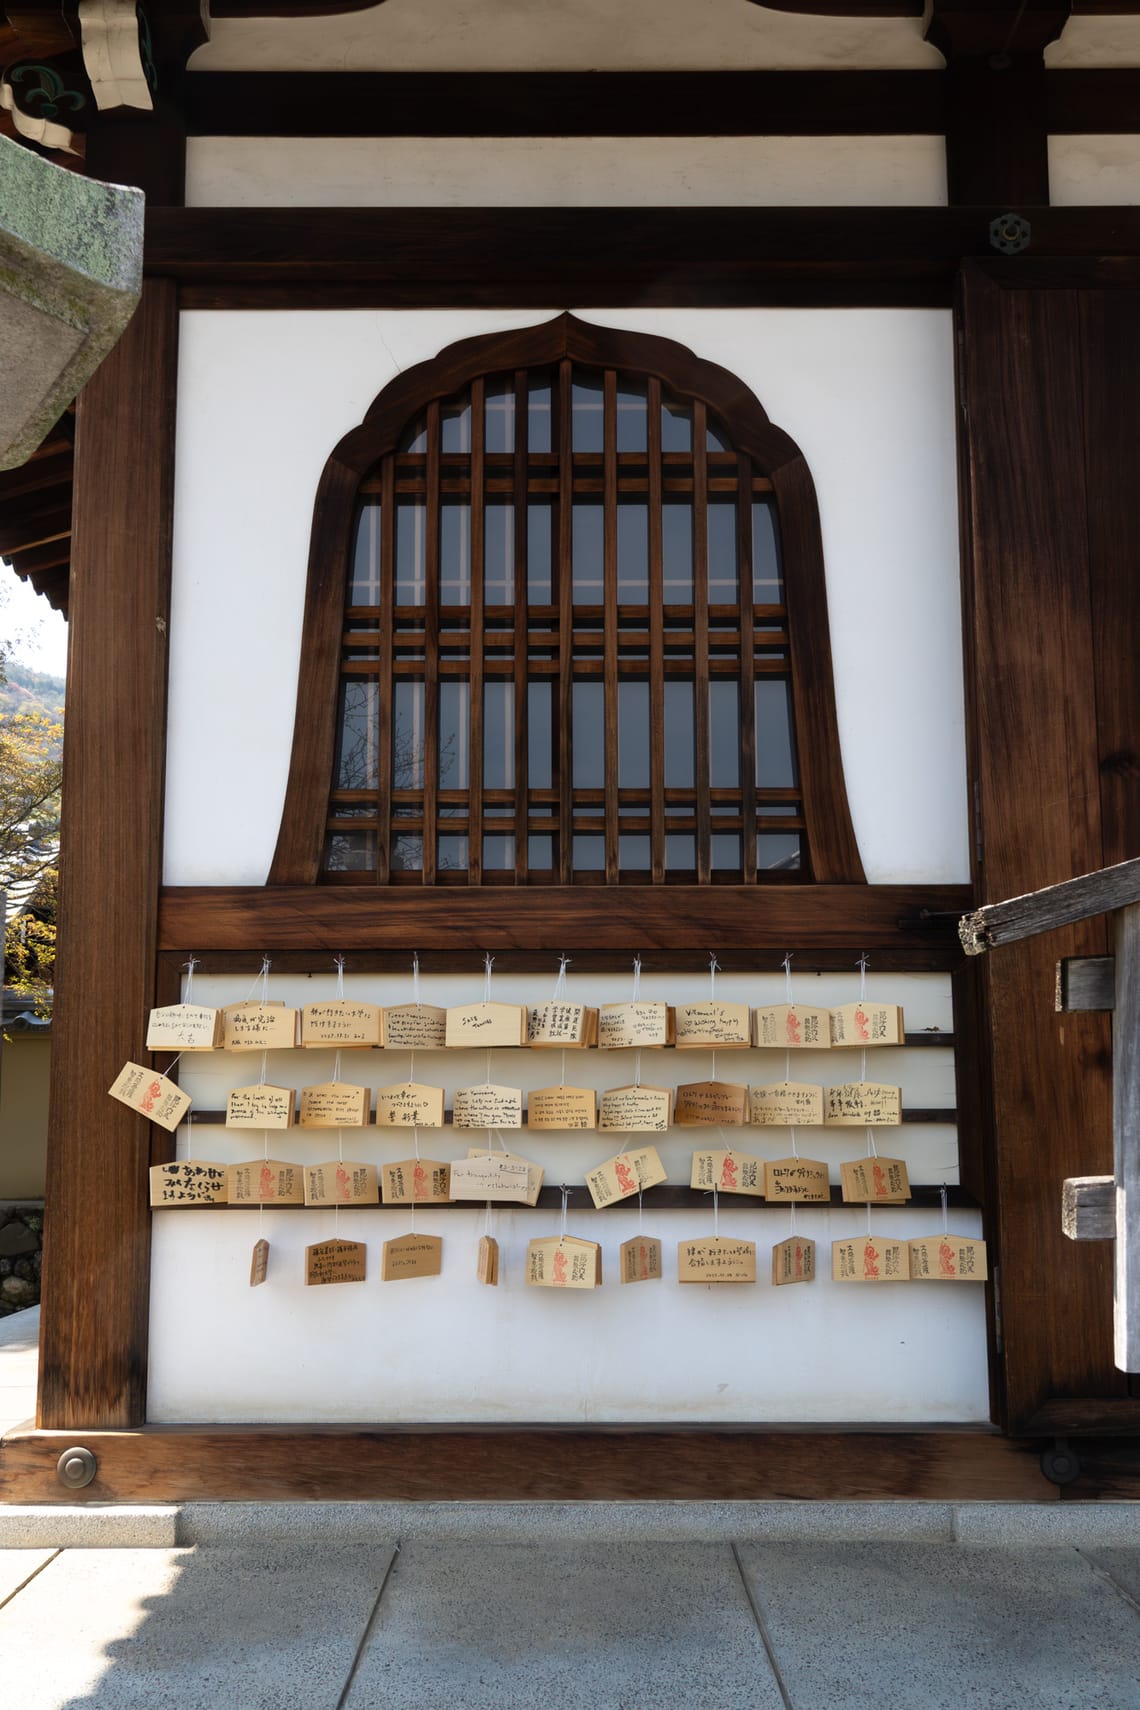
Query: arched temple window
column 565, row 625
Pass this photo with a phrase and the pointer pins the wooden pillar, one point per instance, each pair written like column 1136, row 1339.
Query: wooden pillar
column 1033, row 742
column 97, row 1228
column 996, row 129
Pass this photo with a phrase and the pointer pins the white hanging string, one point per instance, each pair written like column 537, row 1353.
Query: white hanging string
column 565, row 1192
column 862, row 966
column 416, row 1140
column 713, row 966
column 795, row 1148
column 559, row 991
column 872, row 1149
column 944, row 1196
column 637, row 1069
column 265, row 967
column 636, row 977
column 258, row 978
column 786, row 964
column 264, row 1068
column 339, row 961
column 416, row 978
column 412, row 1064
column 792, row 1224
column 640, row 1210
column 190, row 967
column 716, row 1213
column 488, row 1077
column 488, row 964
column 336, row 1067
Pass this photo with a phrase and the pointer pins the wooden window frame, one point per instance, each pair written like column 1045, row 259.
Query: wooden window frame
column 764, row 450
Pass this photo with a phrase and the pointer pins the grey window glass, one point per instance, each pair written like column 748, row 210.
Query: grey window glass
column 455, row 553
column 359, row 756
column 633, row 736
column 775, row 764
column 499, row 555
column 767, row 572
column 499, row 735
column 411, row 583
column 589, row 736
column 365, row 588
column 680, row 743
column 454, row 733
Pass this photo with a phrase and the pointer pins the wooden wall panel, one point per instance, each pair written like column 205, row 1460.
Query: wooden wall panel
column 1111, row 353
column 97, row 1249
column 1034, row 762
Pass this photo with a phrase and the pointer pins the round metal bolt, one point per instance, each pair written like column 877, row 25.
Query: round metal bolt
column 1060, row 1465
column 1010, row 234
column 76, row 1468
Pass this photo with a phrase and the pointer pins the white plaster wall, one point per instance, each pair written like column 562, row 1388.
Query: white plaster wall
column 264, row 397
column 548, row 35
column 1094, row 170
column 1092, row 41
column 561, row 172
column 446, row 1349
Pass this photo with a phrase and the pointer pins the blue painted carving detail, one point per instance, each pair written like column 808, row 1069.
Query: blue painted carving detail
column 42, row 91
column 146, row 50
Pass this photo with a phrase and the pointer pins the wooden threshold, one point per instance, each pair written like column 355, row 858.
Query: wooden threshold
column 456, row 1463
column 915, row 922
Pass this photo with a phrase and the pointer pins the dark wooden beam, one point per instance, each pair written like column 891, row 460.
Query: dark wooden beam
column 453, row 918
column 97, row 1248
column 563, row 104
column 527, row 1463
column 600, row 256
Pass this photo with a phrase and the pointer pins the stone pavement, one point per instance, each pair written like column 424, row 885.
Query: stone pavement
column 571, row 1606
column 441, row 1624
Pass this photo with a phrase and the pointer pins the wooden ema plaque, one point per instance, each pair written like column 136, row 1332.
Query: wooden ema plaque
column 865, row 1024
column 793, row 1261
column 260, row 1106
column 188, row 1183
column 150, row 1094
column 869, row 1260
column 411, row 1256
column 636, row 1110
column 712, row 1026
column 341, row 1183
column 634, row 1026
column 259, row 1263
column 534, row 1173
column 948, row 1258
column 486, row 1026
column 639, row 1260
column 413, row 1027
column 334, row 1261
column 563, row 1261
column 184, row 1027
column 862, row 1104
column 254, row 1026
column 711, row 1104
column 408, row 1104
column 876, row 1181
column 630, row 1172
column 496, row 1175
column 787, row 1104
column 488, row 1106
column 800, row 1181
column 792, row 1027
column 416, row 1181
column 728, row 1172
column 264, row 1181
column 560, row 1025
column 487, row 1268
column 340, row 1024
column 719, row 1259
column 334, row 1104
column 562, row 1107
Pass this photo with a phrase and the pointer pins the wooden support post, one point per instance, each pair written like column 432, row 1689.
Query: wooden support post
column 97, row 1247
column 1126, row 1137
